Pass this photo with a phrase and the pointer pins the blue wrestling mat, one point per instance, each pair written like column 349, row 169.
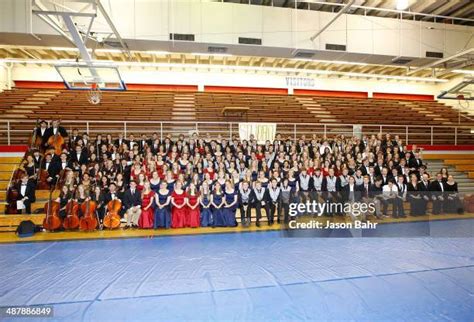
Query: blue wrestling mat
column 249, row 276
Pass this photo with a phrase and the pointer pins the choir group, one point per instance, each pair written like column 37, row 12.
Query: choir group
column 198, row 181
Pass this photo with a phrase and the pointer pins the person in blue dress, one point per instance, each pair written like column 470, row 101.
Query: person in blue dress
column 155, row 182
column 162, row 209
column 206, row 213
column 217, row 201
column 230, row 205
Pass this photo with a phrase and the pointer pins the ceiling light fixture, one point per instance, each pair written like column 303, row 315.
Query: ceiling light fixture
column 402, row 4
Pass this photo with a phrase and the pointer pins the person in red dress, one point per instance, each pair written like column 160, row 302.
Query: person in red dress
column 146, row 218
column 193, row 214
column 178, row 210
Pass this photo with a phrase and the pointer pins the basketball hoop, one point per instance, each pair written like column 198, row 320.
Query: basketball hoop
column 94, row 95
column 462, row 101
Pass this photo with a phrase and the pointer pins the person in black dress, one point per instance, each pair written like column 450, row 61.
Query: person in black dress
column 415, row 196
column 63, row 200
column 453, row 202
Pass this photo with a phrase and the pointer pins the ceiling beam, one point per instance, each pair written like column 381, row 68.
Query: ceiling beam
column 340, row 13
column 435, row 63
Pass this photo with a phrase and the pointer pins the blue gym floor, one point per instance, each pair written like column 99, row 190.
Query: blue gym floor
column 247, row 276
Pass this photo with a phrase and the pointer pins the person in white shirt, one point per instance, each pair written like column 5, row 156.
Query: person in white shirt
column 390, row 196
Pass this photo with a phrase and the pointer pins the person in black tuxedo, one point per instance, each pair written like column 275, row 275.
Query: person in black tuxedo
column 75, row 137
column 132, row 142
column 351, row 192
column 438, row 189
column 364, row 168
column 41, row 132
column 79, row 156
column 376, row 193
column 132, row 202
column 425, row 192
column 118, row 142
column 37, row 158
column 415, row 162
column 26, row 189
column 56, row 128
column 125, row 169
column 61, row 163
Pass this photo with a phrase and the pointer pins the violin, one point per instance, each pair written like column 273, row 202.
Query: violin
column 112, row 219
column 89, row 220
column 71, row 221
column 52, row 221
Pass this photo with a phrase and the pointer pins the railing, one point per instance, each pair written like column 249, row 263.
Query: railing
column 18, row 131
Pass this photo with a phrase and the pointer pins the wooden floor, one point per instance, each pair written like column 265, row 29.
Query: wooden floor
column 10, row 237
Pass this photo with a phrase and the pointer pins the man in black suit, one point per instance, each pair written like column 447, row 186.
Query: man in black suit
column 364, row 168
column 37, row 158
column 386, row 177
column 118, row 142
column 132, row 142
column 425, row 192
column 50, row 164
column 351, row 192
column 376, row 193
column 437, row 189
column 55, row 129
column 75, row 137
column 125, row 169
column 144, row 141
column 79, row 156
column 41, row 132
column 26, row 190
column 415, row 162
column 132, row 202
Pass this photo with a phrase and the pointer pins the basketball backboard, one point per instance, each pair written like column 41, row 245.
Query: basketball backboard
column 81, row 76
column 462, row 91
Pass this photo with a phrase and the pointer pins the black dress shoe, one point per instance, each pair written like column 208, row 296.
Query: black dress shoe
column 257, row 224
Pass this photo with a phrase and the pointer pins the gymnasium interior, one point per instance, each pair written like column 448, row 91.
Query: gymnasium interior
column 108, row 109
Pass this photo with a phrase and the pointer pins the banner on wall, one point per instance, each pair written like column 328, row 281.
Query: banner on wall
column 260, row 131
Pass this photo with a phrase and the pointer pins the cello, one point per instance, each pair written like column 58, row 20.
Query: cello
column 71, row 221
column 13, row 193
column 112, row 219
column 52, row 221
column 42, row 176
column 35, row 140
column 56, row 141
column 89, row 220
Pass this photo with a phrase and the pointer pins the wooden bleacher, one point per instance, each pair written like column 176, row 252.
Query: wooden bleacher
column 169, row 106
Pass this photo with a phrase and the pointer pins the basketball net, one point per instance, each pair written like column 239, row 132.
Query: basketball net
column 94, row 95
column 463, row 102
